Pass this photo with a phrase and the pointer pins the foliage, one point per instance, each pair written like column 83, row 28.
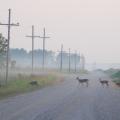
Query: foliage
column 111, row 71
column 3, row 45
column 116, row 75
column 3, row 48
column 65, row 57
column 52, row 60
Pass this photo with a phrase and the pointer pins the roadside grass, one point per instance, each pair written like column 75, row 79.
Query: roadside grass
column 117, row 81
column 21, row 84
column 116, row 75
column 116, row 78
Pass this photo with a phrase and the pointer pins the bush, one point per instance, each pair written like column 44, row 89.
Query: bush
column 116, row 75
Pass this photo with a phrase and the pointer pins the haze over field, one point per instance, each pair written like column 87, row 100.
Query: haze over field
column 63, row 60
column 88, row 26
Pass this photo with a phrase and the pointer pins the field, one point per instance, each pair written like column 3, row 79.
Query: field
column 21, row 84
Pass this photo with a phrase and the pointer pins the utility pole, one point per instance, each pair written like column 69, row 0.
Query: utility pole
column 44, row 38
column 61, row 58
column 79, row 61
column 75, row 61
column 9, row 24
column 69, row 61
column 82, row 62
column 33, row 36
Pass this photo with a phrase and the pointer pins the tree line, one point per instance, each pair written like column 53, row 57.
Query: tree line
column 22, row 58
column 52, row 59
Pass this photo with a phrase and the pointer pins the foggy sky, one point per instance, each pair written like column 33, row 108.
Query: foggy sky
column 91, row 27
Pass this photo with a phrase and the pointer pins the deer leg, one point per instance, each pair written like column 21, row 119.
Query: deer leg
column 87, row 83
column 102, row 84
column 107, row 84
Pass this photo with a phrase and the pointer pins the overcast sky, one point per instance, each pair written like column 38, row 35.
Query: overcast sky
column 91, row 27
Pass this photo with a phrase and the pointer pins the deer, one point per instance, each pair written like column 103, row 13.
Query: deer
column 104, row 82
column 81, row 81
column 34, row 83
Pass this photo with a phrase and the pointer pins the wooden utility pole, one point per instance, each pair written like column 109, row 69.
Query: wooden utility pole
column 75, row 61
column 79, row 61
column 9, row 24
column 82, row 62
column 33, row 36
column 69, row 60
column 61, row 58
column 44, row 38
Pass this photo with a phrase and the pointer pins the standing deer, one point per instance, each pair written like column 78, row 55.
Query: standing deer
column 81, row 81
column 104, row 82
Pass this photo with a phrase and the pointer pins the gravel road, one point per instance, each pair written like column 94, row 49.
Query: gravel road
column 66, row 101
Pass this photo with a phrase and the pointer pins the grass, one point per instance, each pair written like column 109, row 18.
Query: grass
column 21, row 84
column 116, row 81
column 116, row 77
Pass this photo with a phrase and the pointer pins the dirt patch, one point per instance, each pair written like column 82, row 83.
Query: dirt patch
column 114, row 85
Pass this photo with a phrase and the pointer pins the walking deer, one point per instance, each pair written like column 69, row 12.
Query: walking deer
column 82, row 81
column 104, row 82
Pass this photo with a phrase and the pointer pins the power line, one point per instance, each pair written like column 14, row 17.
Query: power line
column 44, row 38
column 33, row 36
column 61, row 58
column 75, row 61
column 9, row 24
column 69, row 60
column 79, row 61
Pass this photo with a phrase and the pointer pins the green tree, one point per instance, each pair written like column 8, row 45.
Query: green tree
column 3, row 49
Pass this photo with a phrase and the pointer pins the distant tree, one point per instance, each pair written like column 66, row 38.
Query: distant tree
column 38, row 57
column 65, row 58
column 3, row 45
column 18, row 53
column 3, row 49
column 50, row 58
column 20, row 56
column 13, row 64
